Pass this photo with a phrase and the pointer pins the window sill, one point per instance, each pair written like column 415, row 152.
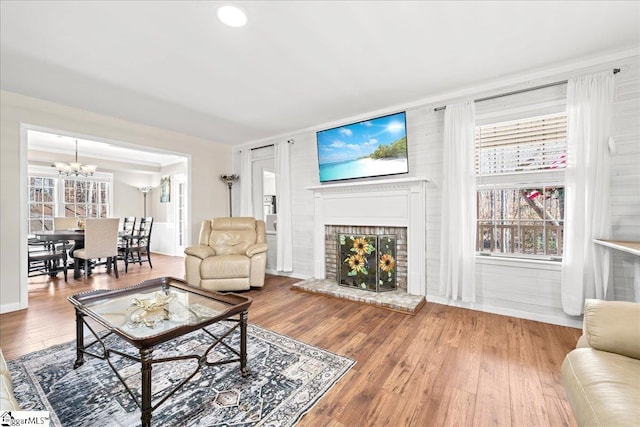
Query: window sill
column 541, row 264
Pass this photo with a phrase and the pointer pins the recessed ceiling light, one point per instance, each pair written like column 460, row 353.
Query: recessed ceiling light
column 232, row 16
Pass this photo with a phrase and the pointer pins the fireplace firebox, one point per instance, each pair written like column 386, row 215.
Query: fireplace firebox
column 340, row 259
column 367, row 262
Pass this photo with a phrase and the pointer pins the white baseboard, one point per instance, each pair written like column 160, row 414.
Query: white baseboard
column 181, row 255
column 294, row 275
column 7, row 308
column 560, row 319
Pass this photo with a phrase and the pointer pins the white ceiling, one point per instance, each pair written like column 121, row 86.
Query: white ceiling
column 296, row 64
column 89, row 149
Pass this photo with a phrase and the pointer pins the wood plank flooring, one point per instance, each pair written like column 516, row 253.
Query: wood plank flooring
column 445, row 366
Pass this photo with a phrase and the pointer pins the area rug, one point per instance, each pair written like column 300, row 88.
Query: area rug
column 286, row 378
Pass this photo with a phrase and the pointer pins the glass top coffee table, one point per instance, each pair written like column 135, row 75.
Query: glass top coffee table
column 153, row 312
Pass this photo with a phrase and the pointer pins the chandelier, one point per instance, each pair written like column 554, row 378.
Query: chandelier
column 75, row 168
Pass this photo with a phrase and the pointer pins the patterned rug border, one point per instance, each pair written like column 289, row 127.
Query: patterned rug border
column 267, row 335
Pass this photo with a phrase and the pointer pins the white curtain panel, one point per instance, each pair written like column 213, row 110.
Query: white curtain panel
column 458, row 232
column 246, row 179
column 585, row 266
column 284, row 256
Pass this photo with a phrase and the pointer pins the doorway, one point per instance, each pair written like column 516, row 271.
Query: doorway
column 264, row 198
column 132, row 168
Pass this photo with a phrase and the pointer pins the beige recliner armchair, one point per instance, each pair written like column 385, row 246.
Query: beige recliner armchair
column 602, row 375
column 231, row 255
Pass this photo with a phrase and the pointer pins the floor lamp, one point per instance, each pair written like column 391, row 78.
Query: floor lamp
column 228, row 179
column 145, row 190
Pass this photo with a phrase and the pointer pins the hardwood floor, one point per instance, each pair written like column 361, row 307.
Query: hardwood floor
column 445, row 366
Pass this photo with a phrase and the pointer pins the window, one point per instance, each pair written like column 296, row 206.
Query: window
column 85, row 198
column 520, row 199
column 53, row 196
column 42, row 202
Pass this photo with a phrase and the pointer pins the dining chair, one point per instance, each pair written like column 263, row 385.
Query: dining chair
column 138, row 246
column 100, row 241
column 125, row 233
column 128, row 224
column 46, row 258
column 65, row 223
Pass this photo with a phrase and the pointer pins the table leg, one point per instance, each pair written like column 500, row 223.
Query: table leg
column 79, row 339
column 145, row 360
column 76, row 268
column 243, row 343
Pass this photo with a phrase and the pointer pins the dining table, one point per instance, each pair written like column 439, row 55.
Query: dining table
column 68, row 234
column 60, row 235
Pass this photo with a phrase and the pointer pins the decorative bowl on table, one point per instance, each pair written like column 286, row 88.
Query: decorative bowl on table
column 151, row 311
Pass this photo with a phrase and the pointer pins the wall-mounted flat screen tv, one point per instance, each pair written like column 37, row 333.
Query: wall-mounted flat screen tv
column 369, row 148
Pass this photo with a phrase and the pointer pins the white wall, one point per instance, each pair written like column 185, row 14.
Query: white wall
column 127, row 199
column 625, row 177
column 523, row 289
column 207, row 160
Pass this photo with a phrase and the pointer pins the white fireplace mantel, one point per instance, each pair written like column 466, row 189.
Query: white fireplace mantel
column 387, row 203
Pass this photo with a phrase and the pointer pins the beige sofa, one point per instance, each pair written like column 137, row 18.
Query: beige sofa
column 7, row 400
column 231, row 255
column 602, row 375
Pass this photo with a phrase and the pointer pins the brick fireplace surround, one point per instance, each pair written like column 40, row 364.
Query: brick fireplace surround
column 332, row 256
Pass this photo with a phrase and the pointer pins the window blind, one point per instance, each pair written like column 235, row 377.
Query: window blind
column 520, row 146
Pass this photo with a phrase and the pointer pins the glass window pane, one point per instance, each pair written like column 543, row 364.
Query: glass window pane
column 69, row 210
column 35, row 225
column 512, row 241
column 37, row 195
column 553, row 236
column 69, row 192
column 47, row 195
column 506, row 204
column 554, row 199
column 48, row 210
column 485, row 204
column 35, row 210
column 81, row 192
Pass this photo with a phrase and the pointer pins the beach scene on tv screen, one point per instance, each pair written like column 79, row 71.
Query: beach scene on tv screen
column 368, row 148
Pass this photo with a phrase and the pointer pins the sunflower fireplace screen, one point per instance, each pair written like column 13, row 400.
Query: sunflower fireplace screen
column 367, row 262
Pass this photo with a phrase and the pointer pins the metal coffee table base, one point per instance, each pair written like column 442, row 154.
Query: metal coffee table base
column 147, row 361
